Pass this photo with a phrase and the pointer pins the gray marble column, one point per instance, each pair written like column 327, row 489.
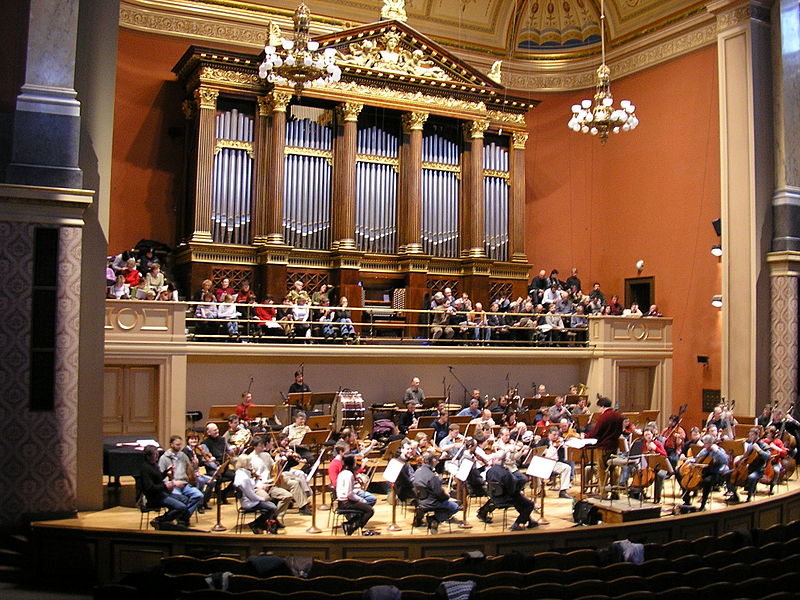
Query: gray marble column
column 47, row 116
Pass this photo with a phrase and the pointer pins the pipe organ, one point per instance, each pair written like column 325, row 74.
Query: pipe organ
column 411, row 167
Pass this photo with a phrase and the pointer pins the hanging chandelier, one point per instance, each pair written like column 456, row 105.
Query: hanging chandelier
column 603, row 118
column 298, row 62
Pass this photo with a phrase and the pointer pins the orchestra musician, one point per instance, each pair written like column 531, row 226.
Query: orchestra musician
column 566, row 430
column 714, row 462
column 244, row 406
column 792, row 425
column 485, row 418
column 757, row 453
column 262, row 466
column 607, row 429
column 453, row 441
column 512, row 494
column 238, row 434
column 672, row 437
column 692, row 440
column 514, row 452
column 501, row 406
column 342, row 449
column 295, row 433
column 777, row 451
column 557, row 411
column 441, row 426
column 179, row 468
column 557, row 451
column 651, row 445
column 299, row 386
column 251, row 501
column 472, row 410
column 216, row 448
column 349, row 500
column 414, row 392
column 158, row 490
column 765, row 417
column 403, row 487
column 409, row 419
column 197, row 462
column 431, row 495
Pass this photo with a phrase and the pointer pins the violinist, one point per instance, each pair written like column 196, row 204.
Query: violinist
column 238, row 435
column 197, row 461
column 295, row 434
column 692, row 440
column 502, row 405
column 250, row 501
column 344, row 448
column 714, row 462
column 566, row 430
column 262, row 466
column 435, row 498
column 472, row 410
column 409, row 419
column 515, row 453
column 512, row 494
column 279, row 472
column 765, row 417
column 777, row 452
column 556, row 450
column 485, row 418
column 717, row 418
column 753, row 462
column 672, row 437
column 215, row 446
column 403, row 487
column 452, row 442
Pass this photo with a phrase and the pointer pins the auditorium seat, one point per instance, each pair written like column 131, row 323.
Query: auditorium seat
column 754, row 587
column 636, row 595
column 717, row 589
column 717, row 559
column 184, row 582
column 628, row 583
column 501, row 592
column 682, row 592
column 180, row 563
column 586, row 587
column 543, row 590
column 703, row 545
column 780, row 596
column 685, row 563
column 729, row 540
column 771, row 550
column 116, row 591
column 505, row 578
column 663, row 580
column 434, row 566
column 677, row 548
column 581, row 557
column 698, row 577
column 619, row 569
column 654, row 566
column 775, row 533
column 583, row 572
column 391, row 566
column 745, row 554
column 787, row 582
column 734, row 572
column 422, row 583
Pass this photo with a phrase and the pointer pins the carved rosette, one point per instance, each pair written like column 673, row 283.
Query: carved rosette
column 518, row 140
column 206, row 98
column 414, row 121
column 350, row 110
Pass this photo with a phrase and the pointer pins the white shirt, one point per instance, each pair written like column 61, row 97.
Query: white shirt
column 345, row 487
column 244, row 482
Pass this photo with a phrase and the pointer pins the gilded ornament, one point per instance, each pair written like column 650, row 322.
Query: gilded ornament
column 414, row 121
column 494, row 73
column 518, row 140
column 206, row 97
column 279, row 101
column 351, row 110
column 476, row 129
column 394, row 9
column 387, row 54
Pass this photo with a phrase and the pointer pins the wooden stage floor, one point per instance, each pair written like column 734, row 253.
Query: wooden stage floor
column 105, row 545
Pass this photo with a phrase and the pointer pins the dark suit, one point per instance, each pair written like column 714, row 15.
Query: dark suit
column 511, row 494
column 435, row 496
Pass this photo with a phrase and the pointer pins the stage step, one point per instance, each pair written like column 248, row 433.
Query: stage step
column 13, row 547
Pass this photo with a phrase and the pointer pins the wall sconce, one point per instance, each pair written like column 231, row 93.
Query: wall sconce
column 716, row 250
column 716, row 301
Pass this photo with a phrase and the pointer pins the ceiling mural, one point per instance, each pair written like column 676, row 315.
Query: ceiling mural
column 533, row 38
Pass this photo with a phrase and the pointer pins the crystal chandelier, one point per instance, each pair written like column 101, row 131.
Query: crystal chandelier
column 603, row 118
column 298, row 62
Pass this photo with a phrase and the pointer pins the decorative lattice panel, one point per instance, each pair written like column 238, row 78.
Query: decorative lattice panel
column 398, row 299
column 438, row 285
column 500, row 288
column 236, row 276
column 311, row 281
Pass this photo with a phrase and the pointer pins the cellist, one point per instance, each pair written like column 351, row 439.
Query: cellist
column 777, row 452
column 752, row 461
column 714, row 461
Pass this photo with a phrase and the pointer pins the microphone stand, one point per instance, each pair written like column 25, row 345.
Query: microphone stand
column 466, row 391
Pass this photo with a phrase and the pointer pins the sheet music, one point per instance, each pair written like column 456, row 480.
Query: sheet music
column 464, row 469
column 392, row 471
column 580, row 443
column 541, row 467
column 313, row 470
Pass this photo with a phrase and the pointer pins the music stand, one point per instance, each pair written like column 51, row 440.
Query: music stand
column 432, row 401
column 301, row 400
column 390, row 474
column 732, row 447
column 463, row 420
column 541, row 468
column 319, row 422
column 313, row 439
column 426, row 422
column 575, row 398
column 582, row 420
column 391, row 449
column 427, row 431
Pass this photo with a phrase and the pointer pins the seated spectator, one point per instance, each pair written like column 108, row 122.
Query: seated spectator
column 131, row 273
column 555, row 325
column 322, row 294
column 121, row 260
column 482, row 332
column 580, row 322
column 266, row 317
column 440, row 325
column 327, row 318
column 111, row 275
column 633, row 311
column 245, row 295
column 227, row 310
column 301, row 315
column 616, row 307
column 165, row 295
column 223, row 290
column 147, row 259
column 205, row 288
column 564, row 306
column 154, row 279
column 653, row 312
column 346, row 329
column 551, row 295
column 207, row 312
column 120, row 290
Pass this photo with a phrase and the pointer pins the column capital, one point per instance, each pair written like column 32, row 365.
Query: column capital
column 264, row 105
column 206, row 97
column 350, row 110
column 278, row 101
column 414, row 121
column 474, row 130
column 519, row 139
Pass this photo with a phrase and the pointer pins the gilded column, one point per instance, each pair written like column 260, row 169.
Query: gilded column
column 206, row 99
column 471, row 213
column 410, row 222
column 276, row 164
column 344, row 188
column 261, row 174
column 516, row 199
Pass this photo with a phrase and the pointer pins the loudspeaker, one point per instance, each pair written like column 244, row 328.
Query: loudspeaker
column 717, row 225
column 702, row 358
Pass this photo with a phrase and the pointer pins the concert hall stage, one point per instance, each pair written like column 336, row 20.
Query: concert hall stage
column 101, row 547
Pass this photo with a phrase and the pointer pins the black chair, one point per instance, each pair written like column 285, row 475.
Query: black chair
column 144, row 508
column 423, row 514
column 496, row 494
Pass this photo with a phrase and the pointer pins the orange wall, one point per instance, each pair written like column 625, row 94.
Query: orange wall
column 147, row 162
column 650, row 194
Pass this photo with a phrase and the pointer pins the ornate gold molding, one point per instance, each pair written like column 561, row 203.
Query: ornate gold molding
column 498, row 116
column 234, row 145
column 436, row 166
column 378, row 160
column 495, row 173
column 230, row 77
column 326, row 154
column 351, row 110
column 264, row 106
column 414, row 121
column 476, row 129
column 206, row 98
column 278, row 101
column 518, row 140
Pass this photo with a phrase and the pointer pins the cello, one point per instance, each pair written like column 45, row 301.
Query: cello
column 690, row 473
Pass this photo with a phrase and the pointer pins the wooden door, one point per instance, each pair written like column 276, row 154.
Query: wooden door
column 635, row 388
column 130, row 402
